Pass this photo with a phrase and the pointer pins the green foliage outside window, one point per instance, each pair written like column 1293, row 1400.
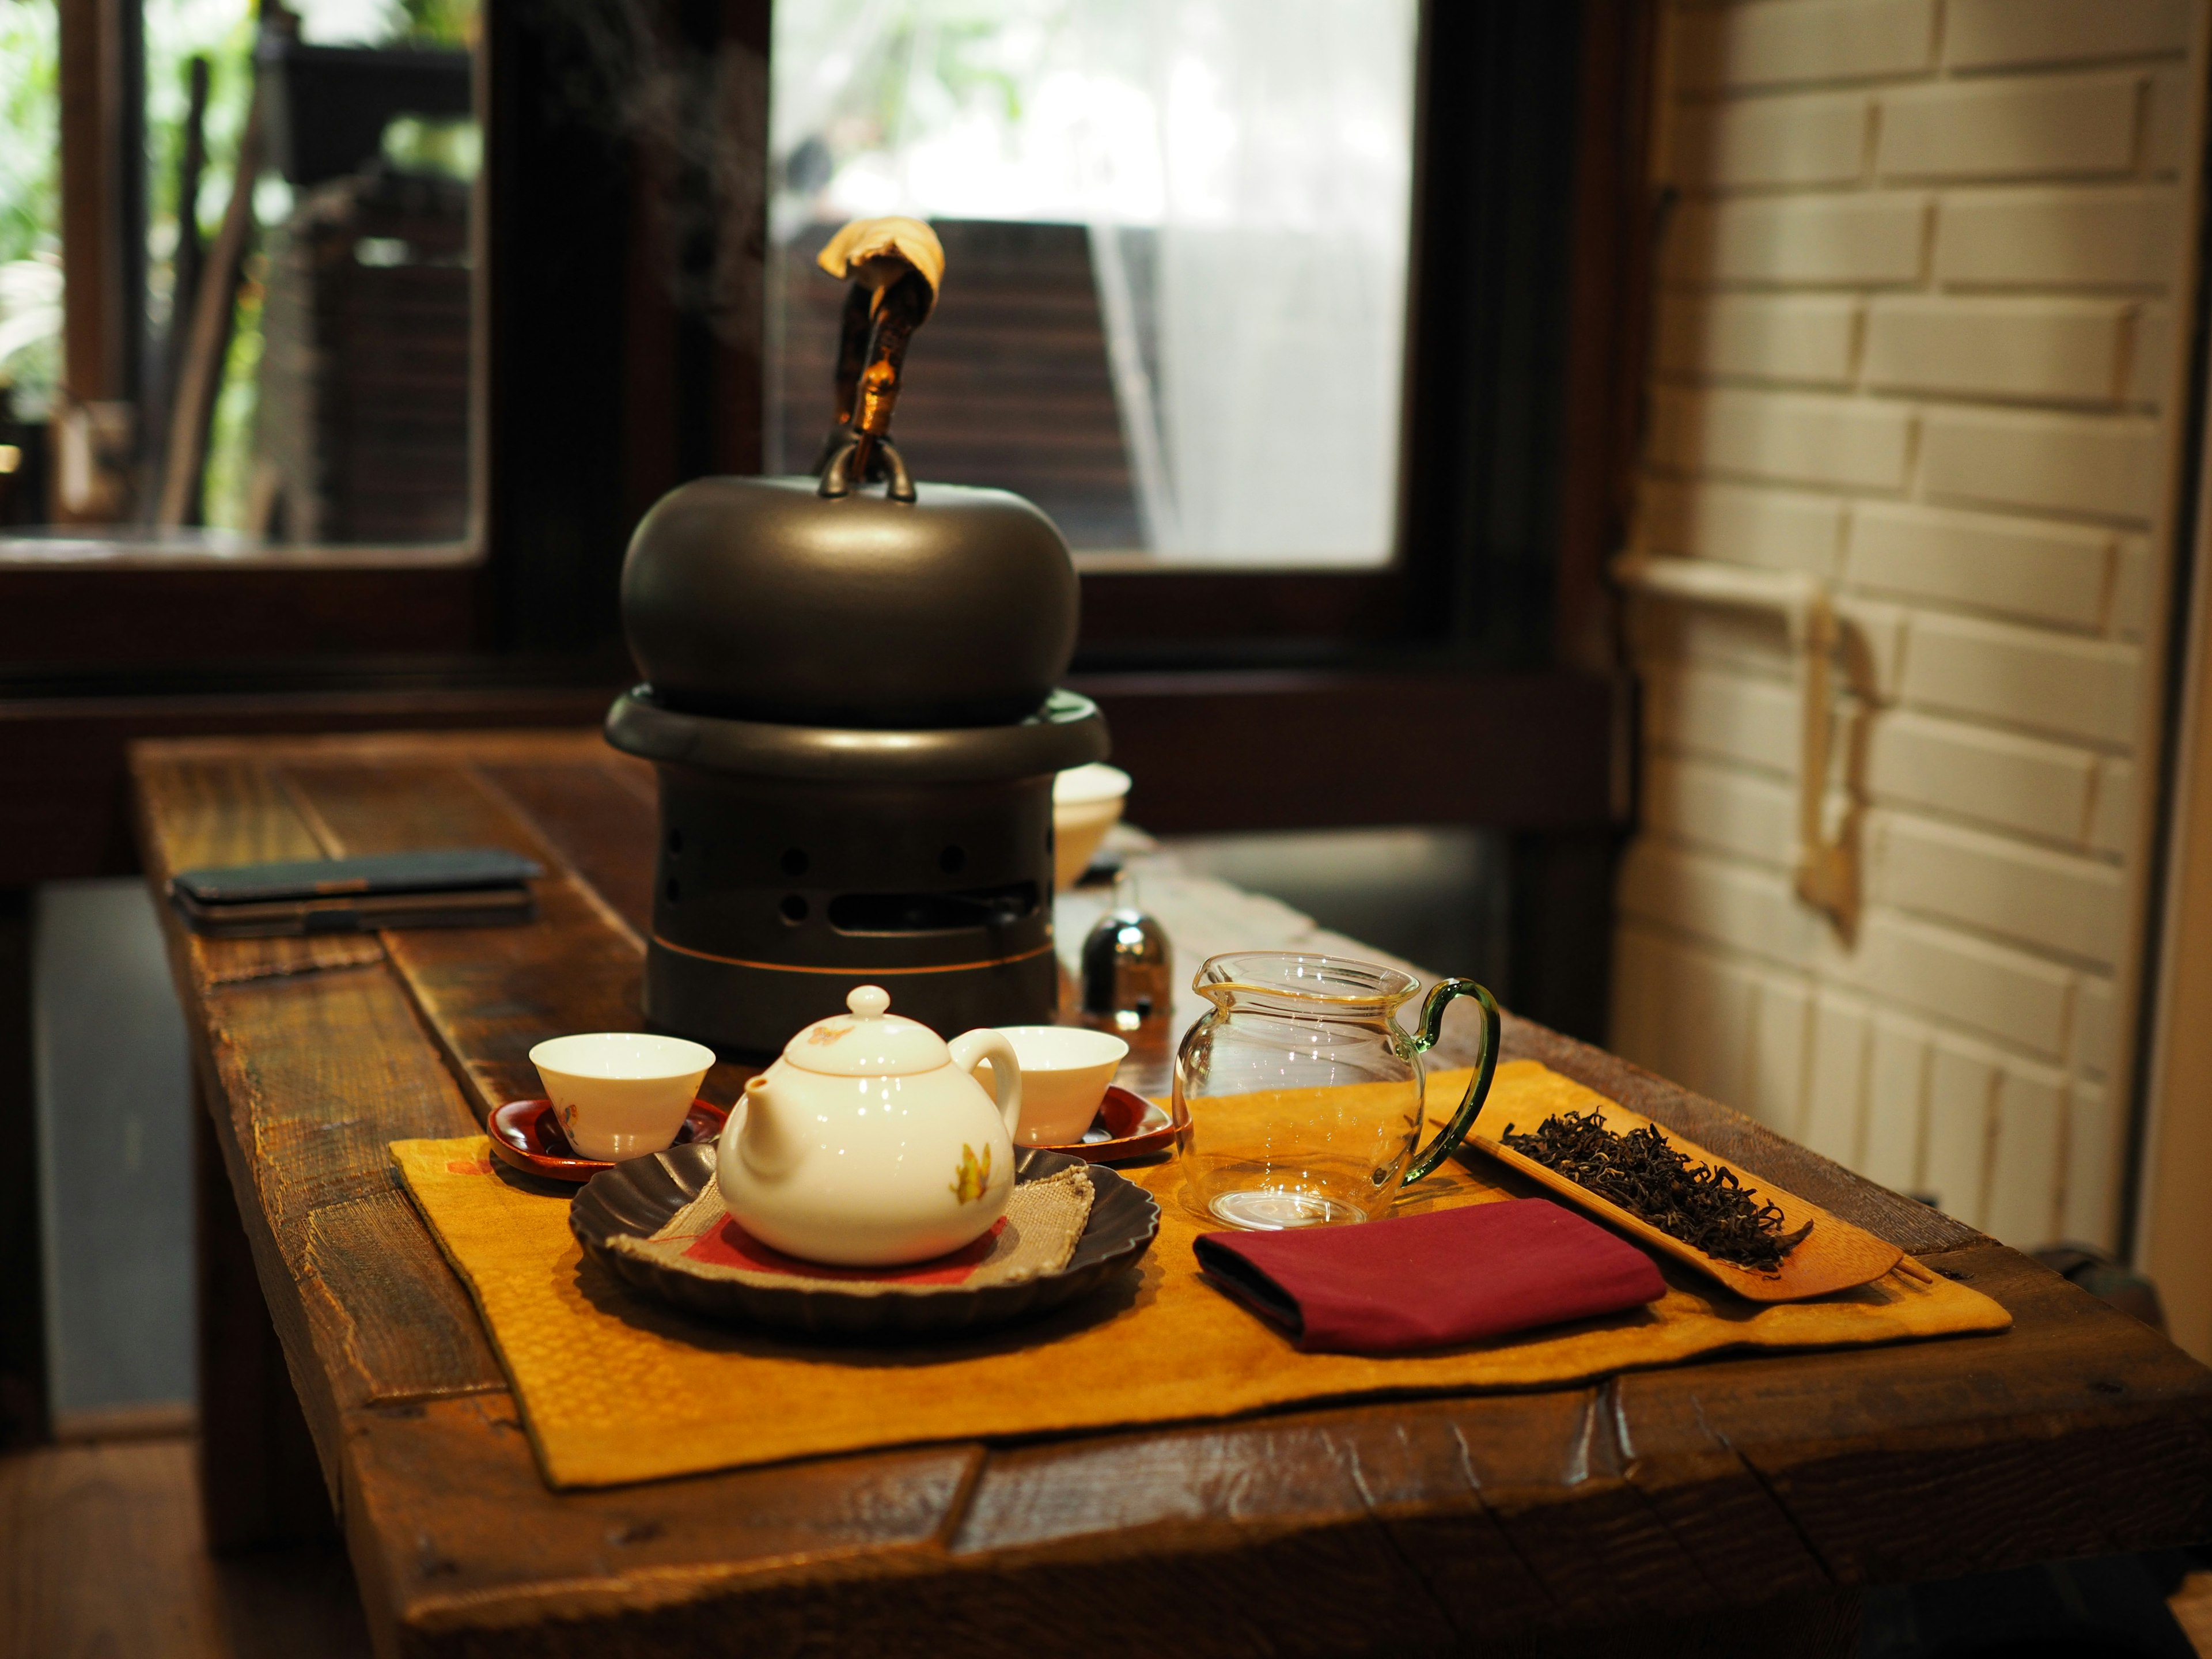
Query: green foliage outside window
column 175, row 32
column 30, row 202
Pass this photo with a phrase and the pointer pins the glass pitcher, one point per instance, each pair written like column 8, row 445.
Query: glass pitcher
column 1303, row 1096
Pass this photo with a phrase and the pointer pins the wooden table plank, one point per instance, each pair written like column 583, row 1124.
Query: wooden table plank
column 489, row 994
column 467, row 1533
column 1554, row 1477
column 1940, row 1458
column 1373, row 1484
column 858, row 1564
column 1510, row 1519
column 602, row 818
column 233, row 811
column 318, row 1074
column 355, row 1275
column 1782, row 1480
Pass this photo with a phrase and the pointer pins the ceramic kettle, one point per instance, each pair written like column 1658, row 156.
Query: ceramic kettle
column 870, row 1143
column 762, row 599
column 814, row 601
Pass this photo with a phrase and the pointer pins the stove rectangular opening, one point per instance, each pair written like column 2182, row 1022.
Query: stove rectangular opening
column 935, row 913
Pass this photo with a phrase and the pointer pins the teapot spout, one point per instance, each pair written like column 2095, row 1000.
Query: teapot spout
column 767, row 1142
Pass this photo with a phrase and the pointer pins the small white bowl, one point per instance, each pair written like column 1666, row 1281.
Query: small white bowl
column 621, row 1094
column 1065, row 1072
column 1087, row 802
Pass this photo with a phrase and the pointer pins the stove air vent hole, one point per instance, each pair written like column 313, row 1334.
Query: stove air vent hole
column 674, row 891
column 933, row 913
column 794, row 862
column 952, row 861
column 793, row 907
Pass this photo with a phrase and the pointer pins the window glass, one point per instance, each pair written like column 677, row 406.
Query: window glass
column 343, row 408
column 1177, row 238
column 304, row 381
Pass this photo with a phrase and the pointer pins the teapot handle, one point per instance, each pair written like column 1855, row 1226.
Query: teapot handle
column 971, row 1049
column 1478, row 1090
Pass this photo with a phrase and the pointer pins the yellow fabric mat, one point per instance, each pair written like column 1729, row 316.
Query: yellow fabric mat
column 617, row 1388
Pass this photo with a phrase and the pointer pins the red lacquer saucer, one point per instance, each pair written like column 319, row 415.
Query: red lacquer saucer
column 1127, row 1126
column 526, row 1135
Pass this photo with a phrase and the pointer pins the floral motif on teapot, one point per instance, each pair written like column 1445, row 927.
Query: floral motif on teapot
column 973, row 1178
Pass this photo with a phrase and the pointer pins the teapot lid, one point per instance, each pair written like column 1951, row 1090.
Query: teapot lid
column 867, row 1042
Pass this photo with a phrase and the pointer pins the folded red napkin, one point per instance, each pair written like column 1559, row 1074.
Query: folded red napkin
column 1433, row 1280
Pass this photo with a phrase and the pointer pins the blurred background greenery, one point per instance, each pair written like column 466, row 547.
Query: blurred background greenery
column 176, row 32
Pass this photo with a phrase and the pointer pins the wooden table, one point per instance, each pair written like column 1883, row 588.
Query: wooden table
column 1611, row 1519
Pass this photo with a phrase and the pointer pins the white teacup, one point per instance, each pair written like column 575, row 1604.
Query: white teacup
column 1065, row 1072
column 621, row 1094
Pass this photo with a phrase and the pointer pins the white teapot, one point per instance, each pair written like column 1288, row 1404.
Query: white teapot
column 870, row 1143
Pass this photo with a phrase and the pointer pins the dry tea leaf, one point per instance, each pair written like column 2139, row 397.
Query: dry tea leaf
column 1703, row 1205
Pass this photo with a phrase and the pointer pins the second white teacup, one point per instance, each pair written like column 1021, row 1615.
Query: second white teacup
column 621, row 1094
column 1066, row 1070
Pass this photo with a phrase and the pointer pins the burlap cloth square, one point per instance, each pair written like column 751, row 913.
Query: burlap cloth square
column 614, row 1388
column 1042, row 1225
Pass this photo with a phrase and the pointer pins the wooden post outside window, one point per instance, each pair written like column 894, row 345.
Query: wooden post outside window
column 102, row 257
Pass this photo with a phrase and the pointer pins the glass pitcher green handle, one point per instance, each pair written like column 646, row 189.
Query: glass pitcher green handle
column 1432, row 1023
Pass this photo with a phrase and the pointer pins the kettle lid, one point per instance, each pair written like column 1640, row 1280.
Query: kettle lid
column 867, row 1042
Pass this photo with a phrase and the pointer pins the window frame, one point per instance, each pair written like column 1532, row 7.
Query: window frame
column 664, row 394
column 1585, row 277
column 1473, row 681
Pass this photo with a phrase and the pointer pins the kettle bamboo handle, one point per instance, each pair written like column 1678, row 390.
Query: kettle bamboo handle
column 895, row 266
column 972, row 1048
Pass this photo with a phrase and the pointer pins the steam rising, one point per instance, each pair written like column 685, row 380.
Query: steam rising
column 698, row 114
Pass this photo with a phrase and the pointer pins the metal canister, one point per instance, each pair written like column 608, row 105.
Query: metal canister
column 1128, row 968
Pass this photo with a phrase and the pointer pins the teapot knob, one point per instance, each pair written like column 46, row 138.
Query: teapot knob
column 868, row 1001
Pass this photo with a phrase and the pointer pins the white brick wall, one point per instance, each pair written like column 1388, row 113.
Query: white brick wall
column 1786, row 529
column 1865, row 239
column 2004, row 128
column 2061, row 350
column 1849, row 441
column 2013, row 34
column 1915, row 336
column 2122, row 237
column 1959, row 769
column 1761, row 336
column 2026, row 677
column 1816, row 140
column 2095, row 466
column 1968, row 982
column 1808, row 40
column 2025, row 568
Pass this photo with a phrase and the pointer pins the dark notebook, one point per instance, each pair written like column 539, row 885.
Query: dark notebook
column 447, row 887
